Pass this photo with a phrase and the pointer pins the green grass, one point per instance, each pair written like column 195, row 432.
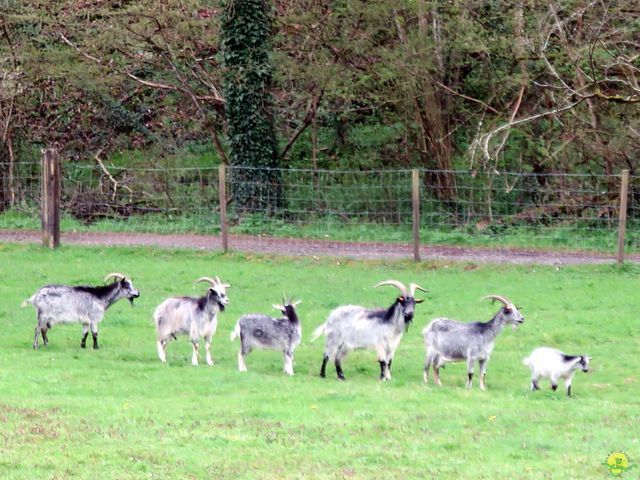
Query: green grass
column 119, row 413
column 333, row 228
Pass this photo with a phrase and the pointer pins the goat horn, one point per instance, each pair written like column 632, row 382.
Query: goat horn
column 413, row 287
column 393, row 283
column 206, row 279
column 117, row 276
column 277, row 307
column 504, row 300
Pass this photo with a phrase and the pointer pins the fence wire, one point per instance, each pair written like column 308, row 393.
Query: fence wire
column 456, row 207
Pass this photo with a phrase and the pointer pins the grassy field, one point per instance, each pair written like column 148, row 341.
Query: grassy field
column 119, row 413
column 566, row 237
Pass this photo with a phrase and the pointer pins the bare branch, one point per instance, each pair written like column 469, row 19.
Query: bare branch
column 159, row 85
column 113, row 181
column 466, row 97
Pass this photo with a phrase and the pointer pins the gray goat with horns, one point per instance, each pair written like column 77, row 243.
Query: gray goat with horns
column 262, row 331
column 193, row 316
column 352, row 327
column 78, row 304
column 452, row 341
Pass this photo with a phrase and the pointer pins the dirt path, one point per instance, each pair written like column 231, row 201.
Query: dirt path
column 295, row 247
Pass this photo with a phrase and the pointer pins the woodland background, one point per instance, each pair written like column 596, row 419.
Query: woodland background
column 476, row 86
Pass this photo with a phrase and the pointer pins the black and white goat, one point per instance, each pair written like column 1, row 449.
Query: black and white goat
column 262, row 331
column 78, row 304
column 550, row 363
column 452, row 341
column 193, row 316
column 352, row 327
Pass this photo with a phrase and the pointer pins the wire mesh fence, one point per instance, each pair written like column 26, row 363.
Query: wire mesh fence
column 558, row 211
column 158, row 200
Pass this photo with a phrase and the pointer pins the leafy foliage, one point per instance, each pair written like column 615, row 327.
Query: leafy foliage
column 349, row 84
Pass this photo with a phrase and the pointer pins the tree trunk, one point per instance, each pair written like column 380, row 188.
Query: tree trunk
column 245, row 44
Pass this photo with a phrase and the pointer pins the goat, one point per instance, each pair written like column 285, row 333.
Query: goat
column 262, row 331
column 452, row 341
column 193, row 316
column 352, row 327
column 80, row 304
column 553, row 364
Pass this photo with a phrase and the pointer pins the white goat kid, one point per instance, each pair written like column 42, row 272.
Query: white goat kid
column 193, row 316
column 550, row 363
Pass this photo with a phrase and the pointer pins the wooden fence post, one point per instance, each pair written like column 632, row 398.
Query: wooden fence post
column 622, row 225
column 415, row 201
column 50, row 202
column 222, row 190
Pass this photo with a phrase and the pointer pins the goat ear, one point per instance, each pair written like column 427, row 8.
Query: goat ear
column 401, row 298
column 419, row 300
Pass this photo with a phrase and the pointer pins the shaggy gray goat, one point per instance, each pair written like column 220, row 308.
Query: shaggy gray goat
column 193, row 316
column 352, row 327
column 81, row 304
column 554, row 365
column 262, row 331
column 452, row 341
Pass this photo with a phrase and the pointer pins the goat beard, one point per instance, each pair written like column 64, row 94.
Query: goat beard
column 131, row 301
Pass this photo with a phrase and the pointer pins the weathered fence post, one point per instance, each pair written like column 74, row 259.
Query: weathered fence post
column 222, row 191
column 415, row 201
column 50, row 202
column 622, row 225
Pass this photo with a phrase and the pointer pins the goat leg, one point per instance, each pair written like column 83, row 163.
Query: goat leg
column 339, row 371
column 85, row 333
column 483, row 373
column 383, row 365
column 35, row 338
column 323, row 368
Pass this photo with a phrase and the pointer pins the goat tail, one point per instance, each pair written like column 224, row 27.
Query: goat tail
column 527, row 361
column 235, row 333
column 28, row 301
column 319, row 331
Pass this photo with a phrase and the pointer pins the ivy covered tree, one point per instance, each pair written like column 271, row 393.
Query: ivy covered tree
column 246, row 47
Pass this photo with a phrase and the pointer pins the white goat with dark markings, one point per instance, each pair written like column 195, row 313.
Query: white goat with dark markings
column 352, row 327
column 452, row 341
column 550, row 363
column 80, row 304
column 193, row 316
column 262, row 331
